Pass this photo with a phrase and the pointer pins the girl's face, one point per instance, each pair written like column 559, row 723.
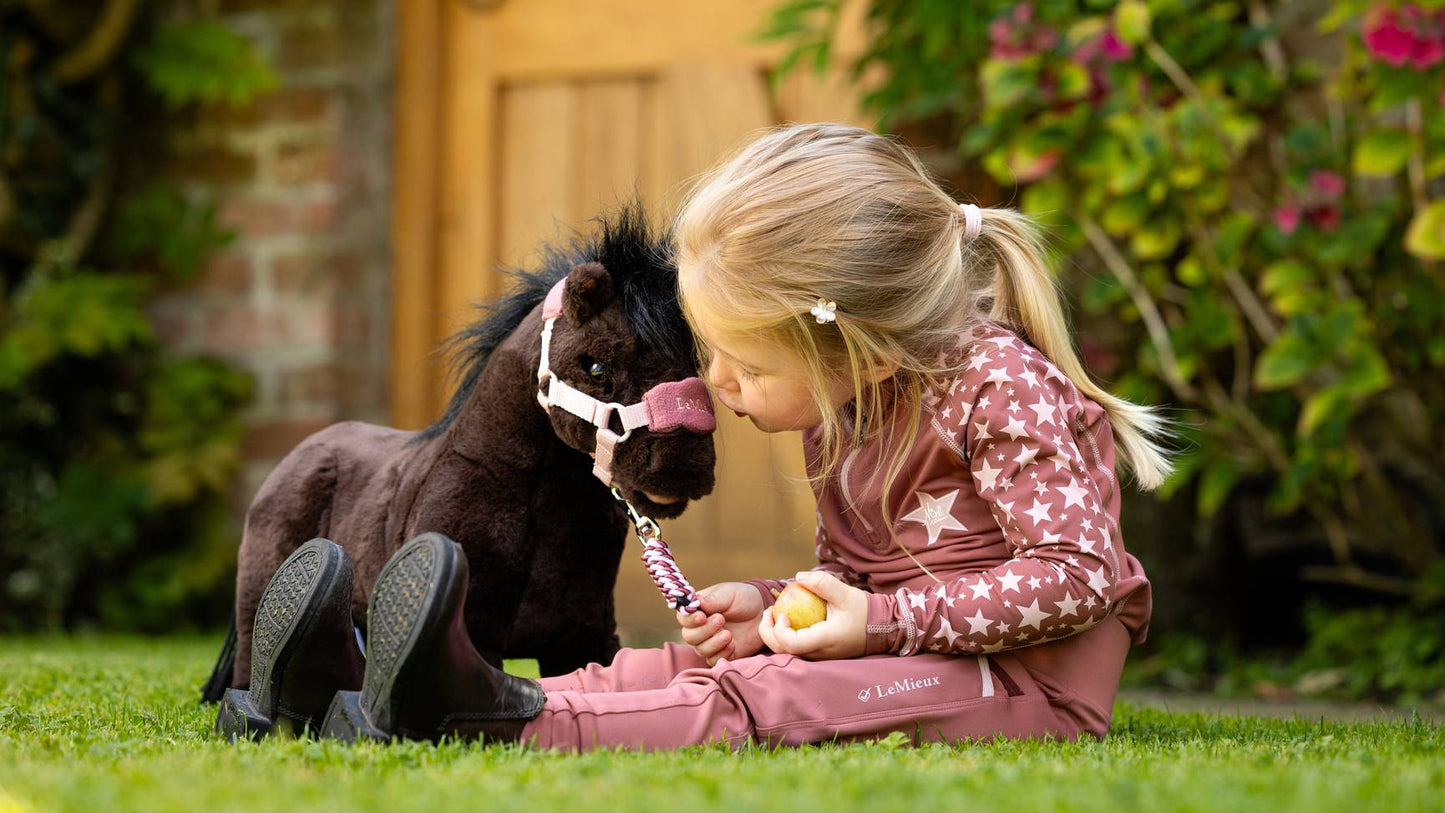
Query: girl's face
column 764, row 383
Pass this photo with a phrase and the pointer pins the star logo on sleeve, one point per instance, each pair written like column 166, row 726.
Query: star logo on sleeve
column 935, row 514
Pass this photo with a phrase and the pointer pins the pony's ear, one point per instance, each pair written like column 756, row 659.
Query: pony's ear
column 589, row 289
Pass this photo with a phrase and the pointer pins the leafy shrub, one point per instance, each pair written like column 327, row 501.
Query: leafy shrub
column 114, row 451
column 1258, row 193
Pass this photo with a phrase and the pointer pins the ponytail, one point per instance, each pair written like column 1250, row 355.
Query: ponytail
column 1026, row 296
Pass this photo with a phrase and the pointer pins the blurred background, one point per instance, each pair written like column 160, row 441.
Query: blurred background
column 226, row 224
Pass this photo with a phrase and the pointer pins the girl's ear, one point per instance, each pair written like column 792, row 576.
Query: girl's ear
column 588, row 292
column 879, row 371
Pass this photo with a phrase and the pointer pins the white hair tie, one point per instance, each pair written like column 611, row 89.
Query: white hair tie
column 972, row 220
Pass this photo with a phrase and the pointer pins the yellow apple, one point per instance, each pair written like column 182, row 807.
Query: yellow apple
column 801, row 605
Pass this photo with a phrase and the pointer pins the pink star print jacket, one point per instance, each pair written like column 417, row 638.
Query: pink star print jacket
column 1009, row 497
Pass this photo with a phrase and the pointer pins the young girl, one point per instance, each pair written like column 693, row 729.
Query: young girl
column 963, row 463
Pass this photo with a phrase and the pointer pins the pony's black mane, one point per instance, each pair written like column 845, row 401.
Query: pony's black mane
column 642, row 272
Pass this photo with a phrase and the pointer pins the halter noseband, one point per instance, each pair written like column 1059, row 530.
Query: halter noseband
column 671, row 405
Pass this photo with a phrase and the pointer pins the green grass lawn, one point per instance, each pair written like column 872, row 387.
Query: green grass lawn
column 112, row 724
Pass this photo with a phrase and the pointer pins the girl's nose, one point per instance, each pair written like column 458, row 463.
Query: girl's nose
column 717, row 377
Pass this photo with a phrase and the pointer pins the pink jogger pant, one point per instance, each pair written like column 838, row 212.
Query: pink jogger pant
column 670, row 697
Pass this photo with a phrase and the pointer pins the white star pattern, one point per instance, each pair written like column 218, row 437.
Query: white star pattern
column 1073, row 494
column 945, row 630
column 1039, row 512
column 1044, row 411
column 1015, row 429
column 935, row 514
column 1069, row 606
column 1032, row 615
column 999, row 376
column 987, row 477
column 977, row 624
column 1008, row 581
column 1007, row 416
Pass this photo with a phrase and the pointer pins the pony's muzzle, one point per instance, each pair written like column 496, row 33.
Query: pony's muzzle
column 682, row 404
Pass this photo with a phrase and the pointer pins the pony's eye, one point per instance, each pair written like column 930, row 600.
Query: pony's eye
column 596, row 369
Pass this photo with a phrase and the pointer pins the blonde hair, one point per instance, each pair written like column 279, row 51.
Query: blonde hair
column 838, row 212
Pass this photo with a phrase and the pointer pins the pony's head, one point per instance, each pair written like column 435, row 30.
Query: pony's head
column 619, row 333
column 627, row 376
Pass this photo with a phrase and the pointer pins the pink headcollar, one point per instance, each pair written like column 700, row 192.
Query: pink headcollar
column 668, row 406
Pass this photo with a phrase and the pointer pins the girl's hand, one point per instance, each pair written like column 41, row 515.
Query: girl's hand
column 726, row 625
column 843, row 635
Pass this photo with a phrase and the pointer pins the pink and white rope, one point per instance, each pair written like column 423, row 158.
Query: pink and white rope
column 667, row 576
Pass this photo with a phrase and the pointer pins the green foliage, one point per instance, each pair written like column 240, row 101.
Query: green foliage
column 112, row 724
column 1272, row 196
column 201, row 61
column 115, row 452
column 1384, row 654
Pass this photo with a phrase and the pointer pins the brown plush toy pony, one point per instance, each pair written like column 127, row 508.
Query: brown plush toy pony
column 511, row 479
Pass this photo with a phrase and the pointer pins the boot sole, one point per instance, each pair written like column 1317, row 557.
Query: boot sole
column 280, row 622
column 408, row 600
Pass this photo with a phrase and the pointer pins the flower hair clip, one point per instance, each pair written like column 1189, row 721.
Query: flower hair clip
column 825, row 311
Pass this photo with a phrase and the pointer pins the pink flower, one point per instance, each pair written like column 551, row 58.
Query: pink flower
column 1324, row 218
column 1328, row 184
column 1039, row 167
column 1015, row 36
column 1115, row 49
column 1405, row 35
column 1286, row 218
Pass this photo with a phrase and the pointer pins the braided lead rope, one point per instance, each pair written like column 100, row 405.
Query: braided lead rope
column 657, row 557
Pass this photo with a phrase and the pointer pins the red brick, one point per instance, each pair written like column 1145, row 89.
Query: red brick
column 318, row 383
column 226, row 273
column 245, row 6
column 214, row 164
column 273, row 439
column 284, row 106
column 173, row 324
column 309, row 46
column 316, row 272
column 259, row 218
column 353, row 323
column 304, row 163
column 233, row 331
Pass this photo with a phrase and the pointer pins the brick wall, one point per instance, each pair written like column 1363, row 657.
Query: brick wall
column 300, row 298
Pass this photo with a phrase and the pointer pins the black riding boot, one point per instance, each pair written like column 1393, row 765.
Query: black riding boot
column 424, row 679
column 304, row 648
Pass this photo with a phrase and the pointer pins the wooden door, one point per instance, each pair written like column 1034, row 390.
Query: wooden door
column 516, row 120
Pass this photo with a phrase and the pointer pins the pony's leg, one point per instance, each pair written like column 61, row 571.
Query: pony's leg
column 291, row 508
column 577, row 654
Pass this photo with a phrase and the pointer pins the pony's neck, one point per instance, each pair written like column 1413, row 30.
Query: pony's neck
column 502, row 423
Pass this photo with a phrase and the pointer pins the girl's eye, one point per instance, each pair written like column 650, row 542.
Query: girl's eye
column 748, row 374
